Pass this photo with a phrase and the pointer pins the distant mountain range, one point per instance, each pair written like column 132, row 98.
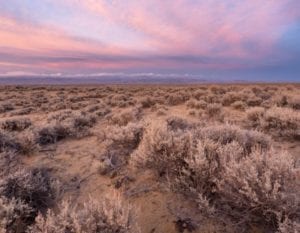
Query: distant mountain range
column 87, row 80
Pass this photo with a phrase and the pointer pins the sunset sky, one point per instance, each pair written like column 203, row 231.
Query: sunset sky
column 246, row 39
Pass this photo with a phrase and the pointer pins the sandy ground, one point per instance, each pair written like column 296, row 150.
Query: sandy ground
column 75, row 161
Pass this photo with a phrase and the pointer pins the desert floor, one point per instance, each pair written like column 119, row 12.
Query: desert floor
column 194, row 158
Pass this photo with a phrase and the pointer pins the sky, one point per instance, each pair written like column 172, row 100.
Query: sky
column 210, row 39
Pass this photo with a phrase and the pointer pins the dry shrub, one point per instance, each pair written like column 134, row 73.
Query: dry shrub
column 121, row 101
column 231, row 97
column 283, row 121
column 93, row 108
column 199, row 93
column 161, row 112
column 192, row 113
column 176, row 99
column 34, row 187
column 93, row 217
column 22, row 143
column 280, row 100
column 103, row 112
column 263, row 185
column 233, row 171
column 8, row 162
column 53, row 133
column 120, row 142
column 215, row 112
column 147, row 102
column 288, row 226
column 256, row 188
column 23, row 194
column 294, row 102
column 60, row 116
column 191, row 103
column 15, row 215
column 176, row 123
column 15, row 124
column 8, row 142
column 225, row 134
column 125, row 117
column 201, row 104
column 254, row 116
column 163, row 149
column 27, row 142
column 83, row 122
column 6, row 107
column 75, row 99
column 23, row 111
column 239, row 105
column 217, row 90
column 254, row 101
column 63, row 126
column 163, row 145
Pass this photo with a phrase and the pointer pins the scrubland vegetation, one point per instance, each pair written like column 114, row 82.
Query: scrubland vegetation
column 150, row 159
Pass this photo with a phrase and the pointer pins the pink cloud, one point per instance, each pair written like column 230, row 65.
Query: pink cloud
column 228, row 31
column 202, row 27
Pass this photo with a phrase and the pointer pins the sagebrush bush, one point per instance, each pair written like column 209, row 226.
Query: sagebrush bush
column 15, row 215
column 260, row 188
column 147, row 102
column 93, row 217
column 6, row 107
column 53, row 133
column 8, row 142
column 197, row 104
column 82, row 122
column 8, row 162
column 280, row 100
column 21, row 143
column 23, row 111
column 255, row 115
column 176, row 99
column 119, row 143
column 60, row 116
column 163, row 149
column 162, row 146
column 230, row 97
column 218, row 90
column 125, row 117
column 279, row 121
column 176, row 123
column 287, row 225
column 235, row 170
column 224, row 134
column 283, row 121
column 294, row 101
column 254, row 101
column 63, row 126
column 103, row 112
column 15, row 124
column 264, row 185
column 215, row 111
column 34, row 187
column 199, row 93
column 239, row 105
column 161, row 112
column 27, row 143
